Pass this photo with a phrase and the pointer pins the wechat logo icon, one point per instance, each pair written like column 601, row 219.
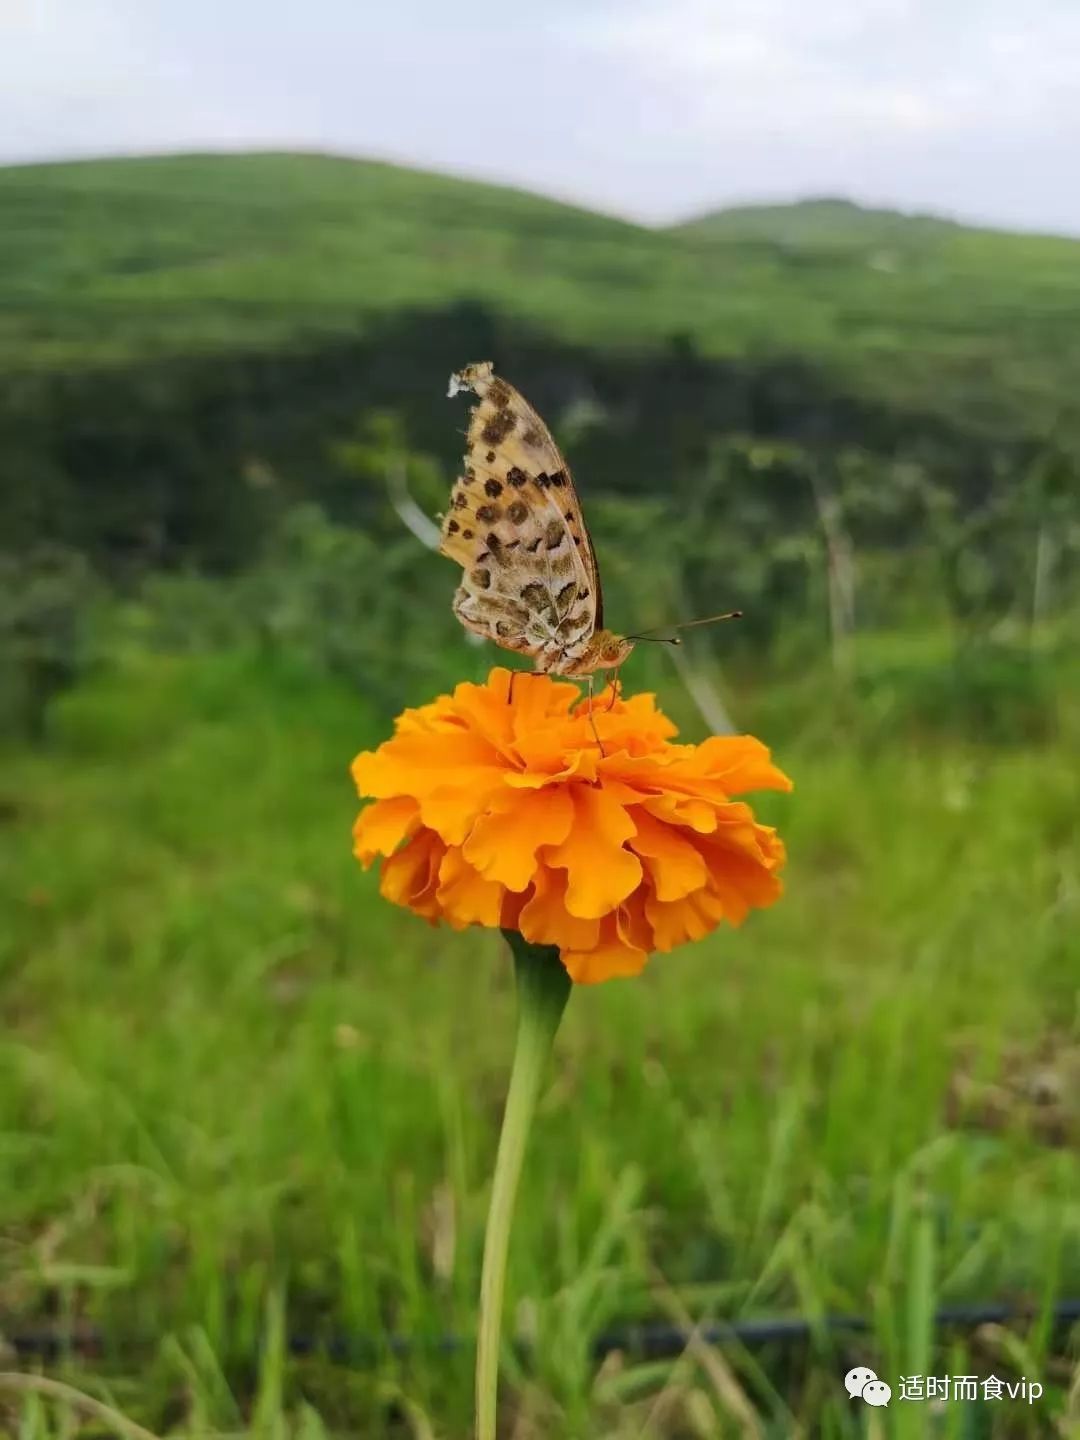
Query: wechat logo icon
column 863, row 1384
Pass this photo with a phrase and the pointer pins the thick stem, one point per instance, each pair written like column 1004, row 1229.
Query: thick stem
column 543, row 989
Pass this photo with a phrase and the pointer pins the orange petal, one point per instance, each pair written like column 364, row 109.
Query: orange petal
column 466, row 897
column 544, row 768
column 733, row 902
column 452, row 810
column 381, row 827
column 685, row 810
column 411, row 875
column 600, row 872
column 635, row 723
column 737, row 832
column 486, row 709
column 417, row 763
column 674, row 864
column 632, row 923
column 752, row 879
column 667, row 785
column 608, row 959
column 740, row 763
column 677, row 921
column 538, row 701
column 545, row 920
column 503, row 842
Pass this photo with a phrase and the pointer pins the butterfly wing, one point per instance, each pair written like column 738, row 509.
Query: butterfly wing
column 515, row 526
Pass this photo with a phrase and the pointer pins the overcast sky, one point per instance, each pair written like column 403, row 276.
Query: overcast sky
column 654, row 109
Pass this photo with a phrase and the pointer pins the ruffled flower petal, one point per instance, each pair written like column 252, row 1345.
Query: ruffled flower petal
column 411, row 876
column 380, row 829
column 465, row 896
column 496, row 806
column 740, row 763
column 613, row 954
column 545, row 920
column 675, row 866
column 600, row 871
column 503, row 843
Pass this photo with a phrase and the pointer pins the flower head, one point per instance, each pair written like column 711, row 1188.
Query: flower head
column 496, row 806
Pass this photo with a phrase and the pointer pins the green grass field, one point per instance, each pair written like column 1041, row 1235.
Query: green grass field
column 243, row 1098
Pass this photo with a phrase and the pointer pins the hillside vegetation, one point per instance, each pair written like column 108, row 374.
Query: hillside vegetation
column 189, row 340
column 114, row 259
column 823, row 221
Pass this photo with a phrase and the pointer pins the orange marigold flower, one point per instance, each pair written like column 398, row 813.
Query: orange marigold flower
column 495, row 806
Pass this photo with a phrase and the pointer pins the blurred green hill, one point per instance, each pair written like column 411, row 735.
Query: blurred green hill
column 114, row 259
column 824, row 220
column 168, row 324
column 201, row 354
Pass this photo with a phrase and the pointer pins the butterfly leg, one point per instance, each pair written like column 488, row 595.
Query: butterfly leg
column 614, row 691
column 510, row 688
column 592, row 720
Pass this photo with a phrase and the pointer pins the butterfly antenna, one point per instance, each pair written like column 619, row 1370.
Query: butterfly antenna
column 671, row 639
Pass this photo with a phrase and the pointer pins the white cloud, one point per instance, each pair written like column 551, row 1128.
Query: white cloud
column 836, row 63
column 79, row 77
column 651, row 107
column 902, row 101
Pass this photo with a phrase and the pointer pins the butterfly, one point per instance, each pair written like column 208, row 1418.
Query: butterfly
column 531, row 582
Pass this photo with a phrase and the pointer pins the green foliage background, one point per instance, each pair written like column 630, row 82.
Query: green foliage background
column 241, row 1099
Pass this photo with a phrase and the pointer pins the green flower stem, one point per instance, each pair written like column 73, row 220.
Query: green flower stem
column 543, row 988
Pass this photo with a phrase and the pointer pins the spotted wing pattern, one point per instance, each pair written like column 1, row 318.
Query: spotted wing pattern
column 515, row 526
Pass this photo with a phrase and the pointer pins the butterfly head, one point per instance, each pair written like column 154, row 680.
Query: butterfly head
column 613, row 649
column 606, row 651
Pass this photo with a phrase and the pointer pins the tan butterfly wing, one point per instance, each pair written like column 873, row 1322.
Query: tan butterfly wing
column 515, row 527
